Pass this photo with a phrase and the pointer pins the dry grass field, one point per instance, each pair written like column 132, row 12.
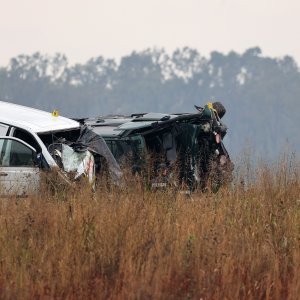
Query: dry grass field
column 240, row 243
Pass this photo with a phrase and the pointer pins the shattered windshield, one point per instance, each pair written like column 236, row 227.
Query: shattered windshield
column 81, row 149
column 59, row 136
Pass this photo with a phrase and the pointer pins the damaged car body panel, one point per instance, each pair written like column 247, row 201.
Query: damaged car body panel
column 189, row 142
column 44, row 131
column 81, row 151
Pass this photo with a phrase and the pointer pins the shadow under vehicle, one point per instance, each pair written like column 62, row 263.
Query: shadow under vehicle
column 184, row 149
column 32, row 140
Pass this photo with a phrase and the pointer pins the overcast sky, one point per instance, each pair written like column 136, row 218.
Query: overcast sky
column 113, row 28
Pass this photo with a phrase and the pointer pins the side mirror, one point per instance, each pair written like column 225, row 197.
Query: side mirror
column 38, row 159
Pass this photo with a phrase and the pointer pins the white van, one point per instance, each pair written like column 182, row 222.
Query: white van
column 25, row 137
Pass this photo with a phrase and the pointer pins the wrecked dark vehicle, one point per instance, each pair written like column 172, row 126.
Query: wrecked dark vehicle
column 184, row 150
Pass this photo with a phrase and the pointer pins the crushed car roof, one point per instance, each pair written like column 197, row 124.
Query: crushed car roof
column 116, row 125
column 32, row 119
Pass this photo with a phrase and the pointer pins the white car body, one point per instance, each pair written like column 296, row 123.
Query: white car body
column 31, row 122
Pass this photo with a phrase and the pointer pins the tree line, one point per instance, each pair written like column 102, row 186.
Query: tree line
column 261, row 94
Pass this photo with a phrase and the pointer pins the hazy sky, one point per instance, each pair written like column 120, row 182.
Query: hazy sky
column 113, row 28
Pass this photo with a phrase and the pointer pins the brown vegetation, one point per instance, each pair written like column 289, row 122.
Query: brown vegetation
column 240, row 243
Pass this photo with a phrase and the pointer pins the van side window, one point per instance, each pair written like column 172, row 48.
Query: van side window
column 15, row 154
column 28, row 138
column 3, row 144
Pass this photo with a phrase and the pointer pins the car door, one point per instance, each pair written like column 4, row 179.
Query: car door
column 19, row 175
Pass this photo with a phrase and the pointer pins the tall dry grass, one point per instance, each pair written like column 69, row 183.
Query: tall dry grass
column 240, row 243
